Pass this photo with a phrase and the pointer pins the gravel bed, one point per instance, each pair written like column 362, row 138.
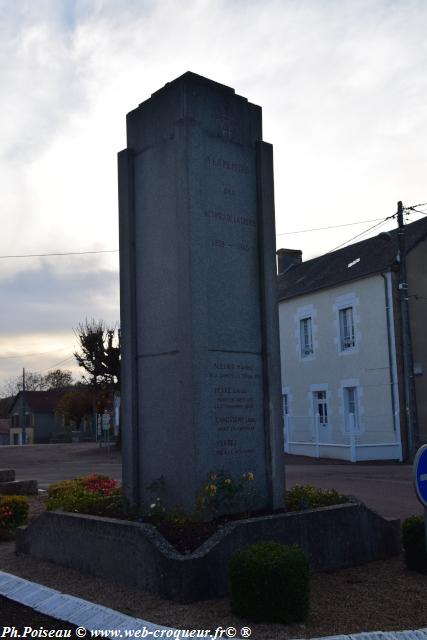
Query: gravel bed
column 380, row 596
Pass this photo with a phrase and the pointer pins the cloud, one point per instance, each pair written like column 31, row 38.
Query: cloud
column 46, row 299
column 44, row 303
column 342, row 85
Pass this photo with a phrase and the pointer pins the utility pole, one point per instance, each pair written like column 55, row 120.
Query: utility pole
column 408, row 362
column 24, row 417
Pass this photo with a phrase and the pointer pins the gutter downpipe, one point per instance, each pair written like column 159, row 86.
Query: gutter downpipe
column 391, row 338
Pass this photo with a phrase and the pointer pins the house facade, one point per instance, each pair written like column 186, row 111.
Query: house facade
column 341, row 354
column 37, row 408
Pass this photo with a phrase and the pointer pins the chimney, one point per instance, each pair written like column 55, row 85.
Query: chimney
column 287, row 258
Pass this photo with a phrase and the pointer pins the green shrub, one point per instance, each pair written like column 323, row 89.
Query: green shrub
column 270, row 582
column 13, row 514
column 413, row 539
column 302, row 497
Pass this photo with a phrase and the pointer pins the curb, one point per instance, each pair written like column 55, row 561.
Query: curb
column 69, row 608
column 94, row 617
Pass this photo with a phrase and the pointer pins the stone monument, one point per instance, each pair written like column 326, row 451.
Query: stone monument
column 200, row 344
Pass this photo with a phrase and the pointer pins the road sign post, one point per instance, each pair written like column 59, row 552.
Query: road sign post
column 420, row 481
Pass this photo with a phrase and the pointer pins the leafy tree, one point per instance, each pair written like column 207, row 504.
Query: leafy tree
column 99, row 353
column 75, row 405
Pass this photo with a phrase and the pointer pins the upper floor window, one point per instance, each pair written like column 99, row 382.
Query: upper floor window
column 306, row 337
column 347, row 333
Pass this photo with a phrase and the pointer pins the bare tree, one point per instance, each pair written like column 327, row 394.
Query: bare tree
column 55, row 379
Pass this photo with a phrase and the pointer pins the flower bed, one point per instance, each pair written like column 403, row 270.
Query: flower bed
column 222, row 499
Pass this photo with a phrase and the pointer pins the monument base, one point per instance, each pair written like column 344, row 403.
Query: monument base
column 137, row 554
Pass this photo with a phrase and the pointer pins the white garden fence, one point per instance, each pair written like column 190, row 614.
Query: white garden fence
column 370, row 438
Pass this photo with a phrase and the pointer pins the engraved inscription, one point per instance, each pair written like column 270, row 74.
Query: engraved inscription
column 230, row 218
column 226, row 125
column 222, row 244
column 236, row 411
column 222, row 163
column 227, row 130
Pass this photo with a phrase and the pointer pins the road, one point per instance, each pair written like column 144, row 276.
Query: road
column 384, row 487
column 49, row 463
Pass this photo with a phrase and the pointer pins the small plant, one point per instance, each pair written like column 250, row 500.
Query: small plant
column 270, row 583
column 5, row 521
column 100, row 484
column 156, row 510
column 223, row 494
column 302, row 497
column 94, row 494
column 13, row 514
column 413, row 540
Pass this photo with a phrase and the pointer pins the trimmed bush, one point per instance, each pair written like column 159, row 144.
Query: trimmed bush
column 13, row 514
column 302, row 497
column 270, row 583
column 413, row 539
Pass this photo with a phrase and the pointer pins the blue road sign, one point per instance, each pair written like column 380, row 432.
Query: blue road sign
column 420, row 474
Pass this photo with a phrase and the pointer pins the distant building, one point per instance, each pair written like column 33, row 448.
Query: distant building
column 341, row 353
column 4, row 431
column 41, row 423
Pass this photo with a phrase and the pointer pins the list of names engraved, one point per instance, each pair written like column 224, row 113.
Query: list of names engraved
column 234, row 384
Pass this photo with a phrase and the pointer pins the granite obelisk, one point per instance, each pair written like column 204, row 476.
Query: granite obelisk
column 200, row 342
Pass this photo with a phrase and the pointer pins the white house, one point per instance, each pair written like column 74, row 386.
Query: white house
column 342, row 370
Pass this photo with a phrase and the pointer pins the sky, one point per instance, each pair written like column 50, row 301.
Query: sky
column 342, row 84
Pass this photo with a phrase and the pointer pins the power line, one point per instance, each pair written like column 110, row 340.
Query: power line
column 30, row 355
column 422, row 204
column 54, row 365
column 413, row 210
column 66, row 253
column 336, row 226
column 285, row 233
column 363, row 233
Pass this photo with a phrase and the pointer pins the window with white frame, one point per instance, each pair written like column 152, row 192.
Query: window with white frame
column 351, row 409
column 285, row 405
column 347, row 333
column 306, row 337
column 321, row 407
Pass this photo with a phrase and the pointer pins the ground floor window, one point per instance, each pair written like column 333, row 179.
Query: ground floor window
column 285, row 405
column 351, row 408
column 321, row 407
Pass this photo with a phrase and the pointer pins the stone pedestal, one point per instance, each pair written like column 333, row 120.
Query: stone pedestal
column 200, row 347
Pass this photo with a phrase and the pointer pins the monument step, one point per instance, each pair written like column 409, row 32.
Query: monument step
column 7, row 475
column 19, row 488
